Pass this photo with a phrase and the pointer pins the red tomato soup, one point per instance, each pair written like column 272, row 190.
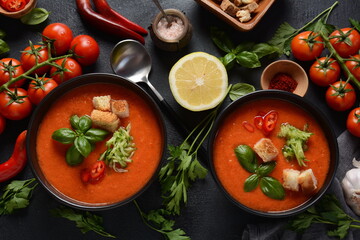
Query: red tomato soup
column 114, row 187
column 232, row 133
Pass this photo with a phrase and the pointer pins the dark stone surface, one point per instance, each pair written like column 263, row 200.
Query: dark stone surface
column 208, row 215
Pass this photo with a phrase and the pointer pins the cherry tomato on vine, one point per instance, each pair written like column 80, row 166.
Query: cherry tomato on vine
column 86, row 49
column 13, row 5
column 29, row 55
column 353, row 122
column 2, row 124
column 39, row 88
column 13, row 66
column 346, row 41
column 354, row 66
column 62, row 36
column 340, row 96
column 325, row 71
column 67, row 68
column 14, row 104
column 307, row 46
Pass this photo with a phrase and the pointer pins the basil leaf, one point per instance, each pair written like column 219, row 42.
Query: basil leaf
column 245, row 46
column 4, row 47
column 240, row 89
column 96, row 135
column 272, row 188
column 221, row 39
column 35, row 16
column 73, row 156
column 228, row 59
column 64, row 135
column 84, row 123
column 355, row 23
column 83, row 146
column 74, row 121
column 2, row 34
column 246, row 157
column 266, row 168
column 251, row 183
column 248, row 59
column 264, row 49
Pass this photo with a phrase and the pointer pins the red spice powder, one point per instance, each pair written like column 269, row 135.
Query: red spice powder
column 283, row 81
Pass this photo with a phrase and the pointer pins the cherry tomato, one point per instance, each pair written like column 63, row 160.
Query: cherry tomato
column 325, row 71
column 13, row 5
column 269, row 122
column 86, row 49
column 353, row 122
column 346, row 41
column 62, row 36
column 67, row 68
column 307, row 46
column 354, row 66
column 248, row 126
column 39, row 88
column 340, row 96
column 15, row 105
column 29, row 55
column 13, row 66
column 2, row 124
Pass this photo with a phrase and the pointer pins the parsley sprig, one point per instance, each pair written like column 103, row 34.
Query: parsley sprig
column 16, row 195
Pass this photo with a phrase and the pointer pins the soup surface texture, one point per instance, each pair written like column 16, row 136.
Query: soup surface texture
column 231, row 133
column 114, row 187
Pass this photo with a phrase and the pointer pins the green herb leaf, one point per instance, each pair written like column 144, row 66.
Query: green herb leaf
column 64, row 135
column 85, row 221
column 221, row 39
column 355, row 24
column 95, row 135
column 2, row 34
column 272, row 188
column 240, row 89
column 73, row 156
column 264, row 49
column 282, row 37
column 4, row 47
column 82, row 145
column 16, row 195
column 251, row 183
column 35, row 16
column 247, row 158
column 228, row 60
column 84, row 123
column 248, row 59
column 244, row 46
column 321, row 27
column 266, row 168
column 74, row 121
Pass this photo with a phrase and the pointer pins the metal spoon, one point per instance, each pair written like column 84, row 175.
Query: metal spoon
column 168, row 19
column 129, row 59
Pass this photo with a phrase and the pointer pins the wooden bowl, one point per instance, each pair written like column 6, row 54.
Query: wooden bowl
column 290, row 68
column 29, row 6
column 214, row 7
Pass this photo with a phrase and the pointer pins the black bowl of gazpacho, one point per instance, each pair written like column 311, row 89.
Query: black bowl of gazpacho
column 273, row 153
column 96, row 141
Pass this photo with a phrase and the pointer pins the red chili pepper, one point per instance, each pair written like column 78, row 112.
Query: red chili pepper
column 270, row 120
column 258, row 122
column 95, row 174
column 248, row 126
column 17, row 161
column 104, row 9
column 103, row 24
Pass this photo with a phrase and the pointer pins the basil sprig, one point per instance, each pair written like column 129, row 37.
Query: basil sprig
column 270, row 186
column 82, row 136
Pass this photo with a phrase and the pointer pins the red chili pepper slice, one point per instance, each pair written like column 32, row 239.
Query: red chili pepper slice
column 248, row 126
column 85, row 175
column 97, row 171
column 17, row 161
column 270, row 120
column 258, row 122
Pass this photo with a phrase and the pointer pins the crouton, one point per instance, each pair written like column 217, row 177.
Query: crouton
column 237, row 2
column 243, row 15
column 250, row 7
column 266, row 149
column 229, row 7
column 102, row 103
column 248, row 1
column 120, row 108
column 105, row 120
column 290, row 178
column 307, row 181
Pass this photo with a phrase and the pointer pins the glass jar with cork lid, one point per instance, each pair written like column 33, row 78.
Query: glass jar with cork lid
column 171, row 35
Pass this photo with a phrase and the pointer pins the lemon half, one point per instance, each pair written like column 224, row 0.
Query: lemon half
column 198, row 81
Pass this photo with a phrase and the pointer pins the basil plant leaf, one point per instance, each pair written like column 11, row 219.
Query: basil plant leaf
column 264, row 49
column 266, row 168
column 73, row 156
column 245, row 46
column 96, row 135
column 74, row 121
column 247, row 158
column 228, row 60
column 85, row 123
column 248, row 59
column 35, row 16
column 83, row 146
column 4, row 47
column 240, row 89
column 251, row 183
column 64, row 135
column 221, row 39
column 272, row 188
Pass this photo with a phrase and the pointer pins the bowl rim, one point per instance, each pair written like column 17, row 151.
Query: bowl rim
column 306, row 106
column 46, row 103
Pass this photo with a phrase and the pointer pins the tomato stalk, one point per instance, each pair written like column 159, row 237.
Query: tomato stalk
column 340, row 60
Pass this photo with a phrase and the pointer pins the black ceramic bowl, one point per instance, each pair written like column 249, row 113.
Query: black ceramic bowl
column 46, row 104
column 296, row 101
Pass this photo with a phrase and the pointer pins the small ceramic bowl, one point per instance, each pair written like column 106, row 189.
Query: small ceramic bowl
column 290, row 68
column 29, row 6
